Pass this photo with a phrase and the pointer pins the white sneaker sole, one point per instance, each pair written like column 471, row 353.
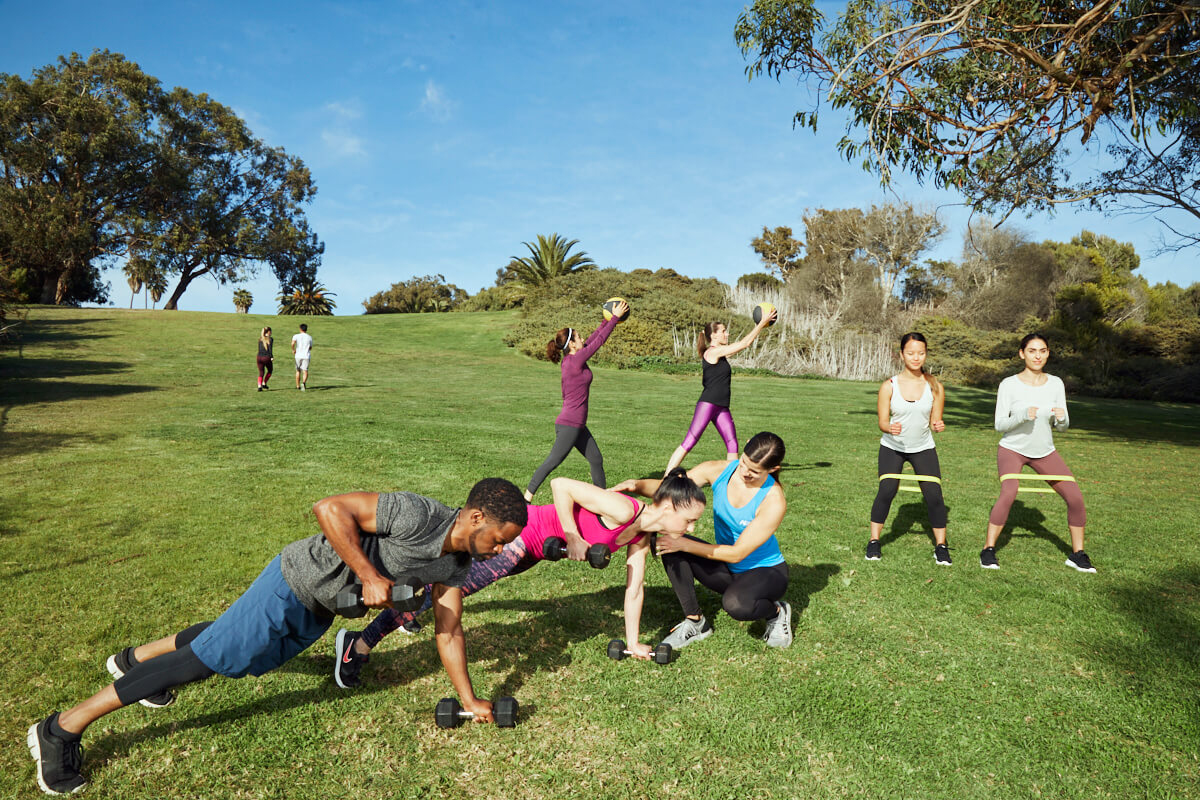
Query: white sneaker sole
column 1078, row 568
column 116, row 672
column 340, row 644
column 35, row 750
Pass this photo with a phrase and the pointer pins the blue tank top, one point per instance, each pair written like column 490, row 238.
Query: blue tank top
column 729, row 522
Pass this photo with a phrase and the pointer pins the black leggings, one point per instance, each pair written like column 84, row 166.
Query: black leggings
column 566, row 437
column 156, row 675
column 744, row 595
column 924, row 463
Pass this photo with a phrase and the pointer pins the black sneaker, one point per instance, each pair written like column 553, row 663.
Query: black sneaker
column 121, row 663
column 874, row 551
column 347, row 663
column 987, row 558
column 412, row 626
column 1080, row 561
column 58, row 760
column 941, row 554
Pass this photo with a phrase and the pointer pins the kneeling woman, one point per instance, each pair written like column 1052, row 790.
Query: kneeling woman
column 745, row 566
column 583, row 515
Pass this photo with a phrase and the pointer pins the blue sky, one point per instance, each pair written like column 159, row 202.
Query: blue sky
column 443, row 135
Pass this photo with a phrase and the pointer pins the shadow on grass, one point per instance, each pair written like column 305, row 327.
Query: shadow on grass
column 62, row 333
column 26, row 442
column 1167, row 610
column 909, row 516
column 1032, row 520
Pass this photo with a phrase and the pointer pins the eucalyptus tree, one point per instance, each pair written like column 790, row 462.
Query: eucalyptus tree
column 997, row 98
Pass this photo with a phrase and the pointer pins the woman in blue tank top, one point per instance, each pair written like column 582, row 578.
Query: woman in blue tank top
column 745, row 565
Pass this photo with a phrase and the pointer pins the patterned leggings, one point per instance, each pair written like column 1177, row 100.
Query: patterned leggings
column 512, row 560
column 1010, row 461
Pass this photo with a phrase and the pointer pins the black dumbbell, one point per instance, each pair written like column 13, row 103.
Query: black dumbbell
column 449, row 713
column 407, row 595
column 617, row 651
column 555, row 549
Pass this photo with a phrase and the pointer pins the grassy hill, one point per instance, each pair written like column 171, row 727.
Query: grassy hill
column 146, row 483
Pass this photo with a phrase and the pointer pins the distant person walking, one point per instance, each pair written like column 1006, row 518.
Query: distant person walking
column 302, row 349
column 713, row 347
column 1029, row 406
column 570, row 427
column 266, row 358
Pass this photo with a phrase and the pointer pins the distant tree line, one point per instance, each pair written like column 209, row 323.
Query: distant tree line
column 100, row 165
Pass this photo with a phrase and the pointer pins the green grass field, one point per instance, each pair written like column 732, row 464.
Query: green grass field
column 146, row 483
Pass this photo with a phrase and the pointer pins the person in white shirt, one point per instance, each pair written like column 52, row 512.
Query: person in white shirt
column 909, row 410
column 302, row 349
column 1029, row 406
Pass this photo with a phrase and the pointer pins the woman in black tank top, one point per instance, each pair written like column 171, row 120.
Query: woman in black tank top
column 714, row 348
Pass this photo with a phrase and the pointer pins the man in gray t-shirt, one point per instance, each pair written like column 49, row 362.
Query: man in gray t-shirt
column 374, row 538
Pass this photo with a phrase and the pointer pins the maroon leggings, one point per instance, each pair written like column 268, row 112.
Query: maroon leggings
column 1009, row 461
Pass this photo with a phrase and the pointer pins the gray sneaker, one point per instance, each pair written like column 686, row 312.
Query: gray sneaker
column 687, row 632
column 779, row 630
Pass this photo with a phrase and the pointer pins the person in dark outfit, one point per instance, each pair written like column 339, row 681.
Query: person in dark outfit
column 713, row 346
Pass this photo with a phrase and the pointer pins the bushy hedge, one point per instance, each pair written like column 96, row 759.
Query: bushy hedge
column 660, row 302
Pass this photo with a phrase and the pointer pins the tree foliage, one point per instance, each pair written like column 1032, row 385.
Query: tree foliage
column 551, row 258
column 306, row 298
column 990, row 97
column 779, row 251
column 98, row 162
column 429, row 293
column 242, row 300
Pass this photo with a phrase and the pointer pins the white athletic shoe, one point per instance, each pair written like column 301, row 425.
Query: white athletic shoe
column 779, row 630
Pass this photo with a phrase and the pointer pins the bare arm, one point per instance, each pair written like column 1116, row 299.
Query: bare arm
column 635, row 581
column 452, row 648
column 568, row 493
column 343, row 518
column 718, row 351
column 883, row 409
column 766, row 521
column 936, row 423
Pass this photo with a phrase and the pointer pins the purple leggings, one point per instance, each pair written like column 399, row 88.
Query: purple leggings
column 720, row 417
column 1010, row 461
column 512, row 560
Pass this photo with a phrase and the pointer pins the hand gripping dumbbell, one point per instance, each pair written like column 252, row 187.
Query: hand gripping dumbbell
column 407, row 595
column 617, row 651
column 555, row 549
column 449, row 713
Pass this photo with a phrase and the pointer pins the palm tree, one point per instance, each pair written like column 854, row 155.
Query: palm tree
column 135, row 273
column 156, row 285
column 307, row 298
column 550, row 259
column 242, row 300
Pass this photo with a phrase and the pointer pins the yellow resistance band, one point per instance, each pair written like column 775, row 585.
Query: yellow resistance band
column 898, row 476
column 1017, row 476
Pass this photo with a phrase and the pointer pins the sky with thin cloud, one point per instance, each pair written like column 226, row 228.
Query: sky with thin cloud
column 443, row 135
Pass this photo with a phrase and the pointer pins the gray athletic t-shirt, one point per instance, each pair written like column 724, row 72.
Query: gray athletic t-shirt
column 410, row 532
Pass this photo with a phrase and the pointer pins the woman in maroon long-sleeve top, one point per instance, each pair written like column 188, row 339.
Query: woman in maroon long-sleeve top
column 570, row 427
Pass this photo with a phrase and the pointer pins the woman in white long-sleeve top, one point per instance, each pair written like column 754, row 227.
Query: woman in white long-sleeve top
column 1029, row 407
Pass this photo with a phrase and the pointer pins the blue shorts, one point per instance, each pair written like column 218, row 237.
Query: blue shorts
column 263, row 629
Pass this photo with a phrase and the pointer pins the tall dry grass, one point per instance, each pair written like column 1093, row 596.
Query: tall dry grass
column 805, row 342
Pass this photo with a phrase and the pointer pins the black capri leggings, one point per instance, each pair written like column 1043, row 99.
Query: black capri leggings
column 924, row 463
column 744, row 595
column 154, row 675
column 566, row 437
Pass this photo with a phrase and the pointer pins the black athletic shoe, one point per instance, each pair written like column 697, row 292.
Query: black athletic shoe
column 874, row 552
column 58, row 760
column 941, row 554
column 987, row 558
column 1080, row 561
column 412, row 626
column 121, row 663
column 347, row 663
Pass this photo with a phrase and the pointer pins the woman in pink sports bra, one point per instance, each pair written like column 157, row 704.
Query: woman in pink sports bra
column 583, row 515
